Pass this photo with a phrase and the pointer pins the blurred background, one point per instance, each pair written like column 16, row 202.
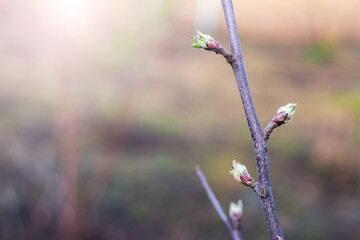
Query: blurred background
column 105, row 109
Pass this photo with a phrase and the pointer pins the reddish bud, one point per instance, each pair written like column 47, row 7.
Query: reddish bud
column 236, row 211
column 245, row 177
column 285, row 113
column 212, row 44
column 280, row 117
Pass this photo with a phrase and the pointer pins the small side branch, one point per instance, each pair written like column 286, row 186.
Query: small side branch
column 283, row 116
column 241, row 174
column 269, row 129
column 210, row 44
column 255, row 186
column 220, row 50
column 215, row 202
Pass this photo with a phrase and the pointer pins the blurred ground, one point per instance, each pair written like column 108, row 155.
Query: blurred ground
column 106, row 109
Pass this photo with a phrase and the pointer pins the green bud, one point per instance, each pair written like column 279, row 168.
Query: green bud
column 240, row 172
column 285, row 113
column 196, row 45
column 236, row 209
column 201, row 41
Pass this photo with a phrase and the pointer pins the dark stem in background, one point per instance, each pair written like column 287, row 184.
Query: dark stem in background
column 237, row 229
column 235, row 233
column 260, row 147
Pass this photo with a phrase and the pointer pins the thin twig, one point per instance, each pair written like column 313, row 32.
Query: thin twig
column 259, row 143
column 269, row 129
column 237, row 229
column 215, row 202
column 255, row 186
column 283, row 115
column 222, row 51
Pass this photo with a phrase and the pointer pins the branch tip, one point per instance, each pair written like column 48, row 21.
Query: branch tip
column 241, row 174
column 204, row 41
column 283, row 116
column 285, row 113
column 236, row 210
column 208, row 43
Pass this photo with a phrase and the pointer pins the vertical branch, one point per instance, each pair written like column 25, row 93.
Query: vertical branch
column 67, row 133
column 215, row 202
column 239, row 71
column 260, row 148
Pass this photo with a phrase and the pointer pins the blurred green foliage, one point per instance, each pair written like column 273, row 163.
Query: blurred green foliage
column 349, row 100
column 320, row 52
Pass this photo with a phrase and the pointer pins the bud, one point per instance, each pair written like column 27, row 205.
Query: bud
column 240, row 173
column 236, row 210
column 285, row 113
column 204, row 41
column 212, row 44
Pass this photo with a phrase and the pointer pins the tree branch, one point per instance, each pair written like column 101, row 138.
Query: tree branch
column 269, row 129
column 221, row 50
column 259, row 143
column 216, row 203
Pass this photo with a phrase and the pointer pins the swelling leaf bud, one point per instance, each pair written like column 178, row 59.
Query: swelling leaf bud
column 285, row 113
column 236, row 210
column 240, row 173
column 212, row 44
column 196, row 45
column 204, row 41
